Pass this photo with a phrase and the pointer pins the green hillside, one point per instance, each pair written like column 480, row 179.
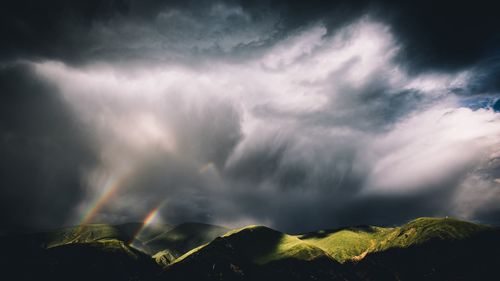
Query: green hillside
column 354, row 243
column 422, row 249
column 95, row 232
column 348, row 243
column 354, row 253
column 256, row 253
column 84, row 234
column 471, row 257
column 261, row 245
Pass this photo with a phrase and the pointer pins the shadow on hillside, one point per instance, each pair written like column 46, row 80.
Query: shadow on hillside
column 476, row 258
column 327, row 232
column 25, row 258
column 227, row 258
column 234, row 258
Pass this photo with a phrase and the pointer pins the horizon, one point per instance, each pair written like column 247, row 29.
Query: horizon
column 141, row 226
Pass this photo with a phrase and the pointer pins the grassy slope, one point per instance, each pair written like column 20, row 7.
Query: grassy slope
column 260, row 253
column 262, row 245
column 348, row 244
column 84, row 234
column 259, row 250
column 95, row 232
column 256, row 253
column 472, row 258
column 356, row 242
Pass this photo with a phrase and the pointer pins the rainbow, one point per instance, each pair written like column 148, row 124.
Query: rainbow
column 150, row 216
column 148, row 219
column 108, row 191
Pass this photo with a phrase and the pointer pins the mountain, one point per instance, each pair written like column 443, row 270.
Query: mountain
column 88, row 233
column 95, row 232
column 104, row 260
column 183, row 238
column 79, row 253
column 422, row 249
column 256, row 253
column 24, row 258
column 354, row 243
column 475, row 257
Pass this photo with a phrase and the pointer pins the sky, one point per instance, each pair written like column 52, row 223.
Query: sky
column 292, row 115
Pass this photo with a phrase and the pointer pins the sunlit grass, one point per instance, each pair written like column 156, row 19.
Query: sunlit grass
column 349, row 243
column 82, row 234
column 356, row 242
column 262, row 245
column 292, row 247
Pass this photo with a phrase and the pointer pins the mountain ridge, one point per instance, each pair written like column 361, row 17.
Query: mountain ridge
column 209, row 252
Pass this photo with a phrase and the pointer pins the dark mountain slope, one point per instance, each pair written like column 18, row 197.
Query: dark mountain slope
column 257, row 253
column 476, row 257
column 108, row 259
column 424, row 249
column 184, row 237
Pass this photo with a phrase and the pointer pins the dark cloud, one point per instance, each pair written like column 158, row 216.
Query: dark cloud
column 44, row 152
column 53, row 29
column 436, row 35
column 440, row 35
column 84, row 31
column 446, row 34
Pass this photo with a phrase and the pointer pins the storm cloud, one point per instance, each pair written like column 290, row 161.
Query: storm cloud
column 278, row 113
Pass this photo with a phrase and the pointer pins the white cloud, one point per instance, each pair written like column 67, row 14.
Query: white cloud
column 432, row 148
column 330, row 100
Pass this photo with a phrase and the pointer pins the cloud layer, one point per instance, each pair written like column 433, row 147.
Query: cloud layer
column 233, row 115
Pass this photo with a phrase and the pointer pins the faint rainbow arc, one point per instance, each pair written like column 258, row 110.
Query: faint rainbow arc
column 150, row 217
column 110, row 188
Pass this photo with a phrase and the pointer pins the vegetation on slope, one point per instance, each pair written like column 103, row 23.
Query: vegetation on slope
column 84, row 234
column 348, row 243
column 95, row 232
column 256, row 253
column 422, row 249
column 261, row 245
column 354, row 243
column 473, row 257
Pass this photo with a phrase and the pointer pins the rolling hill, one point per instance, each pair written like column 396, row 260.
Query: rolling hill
column 25, row 258
column 354, row 253
column 95, row 232
column 474, row 257
column 422, row 249
column 256, row 253
column 354, row 243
